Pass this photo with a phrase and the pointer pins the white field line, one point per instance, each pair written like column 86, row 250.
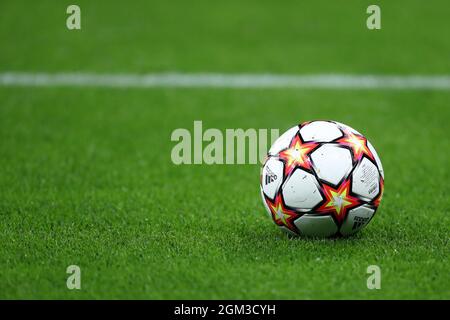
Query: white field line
column 215, row 80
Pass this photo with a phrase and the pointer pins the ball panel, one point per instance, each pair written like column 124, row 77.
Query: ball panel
column 356, row 219
column 301, row 191
column 366, row 180
column 272, row 176
column 320, row 131
column 316, row 226
column 283, row 141
column 377, row 158
column 332, row 163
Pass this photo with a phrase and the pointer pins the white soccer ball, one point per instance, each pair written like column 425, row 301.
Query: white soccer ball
column 322, row 179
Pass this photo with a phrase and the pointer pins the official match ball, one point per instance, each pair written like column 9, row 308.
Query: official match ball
column 322, row 179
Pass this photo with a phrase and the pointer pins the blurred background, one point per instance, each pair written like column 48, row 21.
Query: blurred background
column 233, row 36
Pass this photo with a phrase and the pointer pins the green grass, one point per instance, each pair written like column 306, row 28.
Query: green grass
column 233, row 36
column 86, row 176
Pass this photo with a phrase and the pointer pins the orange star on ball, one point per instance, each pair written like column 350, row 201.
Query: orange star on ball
column 296, row 155
column 357, row 143
column 338, row 201
column 282, row 215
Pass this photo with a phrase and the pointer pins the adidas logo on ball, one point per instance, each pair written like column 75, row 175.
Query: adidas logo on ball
column 270, row 177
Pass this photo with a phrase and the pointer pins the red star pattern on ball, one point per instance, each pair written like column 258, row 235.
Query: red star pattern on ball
column 338, row 201
column 296, row 155
column 358, row 144
column 282, row 215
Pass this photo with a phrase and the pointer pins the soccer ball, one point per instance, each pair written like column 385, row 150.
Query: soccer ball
column 322, row 179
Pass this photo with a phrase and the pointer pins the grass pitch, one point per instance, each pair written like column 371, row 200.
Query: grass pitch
column 86, row 176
